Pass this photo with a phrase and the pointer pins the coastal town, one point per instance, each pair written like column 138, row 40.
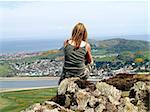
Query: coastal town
column 39, row 68
column 53, row 67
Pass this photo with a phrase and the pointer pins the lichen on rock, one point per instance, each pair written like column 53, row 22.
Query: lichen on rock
column 127, row 106
column 82, row 98
column 76, row 95
column 109, row 91
column 140, row 94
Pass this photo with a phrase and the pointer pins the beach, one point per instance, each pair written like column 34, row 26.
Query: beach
column 27, row 78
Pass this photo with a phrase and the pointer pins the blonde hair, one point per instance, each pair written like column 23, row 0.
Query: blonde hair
column 79, row 34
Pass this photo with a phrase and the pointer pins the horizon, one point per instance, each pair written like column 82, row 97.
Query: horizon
column 32, row 46
column 100, row 38
column 52, row 19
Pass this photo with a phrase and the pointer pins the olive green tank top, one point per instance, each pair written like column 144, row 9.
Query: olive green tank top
column 74, row 58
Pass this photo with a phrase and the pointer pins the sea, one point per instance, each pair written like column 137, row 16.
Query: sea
column 10, row 84
column 23, row 46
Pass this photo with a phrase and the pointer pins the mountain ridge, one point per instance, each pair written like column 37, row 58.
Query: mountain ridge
column 118, row 45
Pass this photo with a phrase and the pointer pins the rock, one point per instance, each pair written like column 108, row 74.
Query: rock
column 78, row 95
column 139, row 86
column 47, row 106
column 100, row 108
column 124, row 82
column 59, row 99
column 72, row 87
column 67, row 101
column 83, row 84
column 53, row 110
column 93, row 102
column 33, row 108
column 82, row 98
column 63, row 86
column 109, row 107
column 96, row 93
column 103, row 99
column 89, row 110
column 52, row 105
column 37, row 107
column 67, row 82
column 111, row 92
column 141, row 94
column 73, row 107
column 127, row 106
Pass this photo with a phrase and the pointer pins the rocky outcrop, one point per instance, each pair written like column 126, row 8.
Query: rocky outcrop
column 124, row 81
column 127, row 106
column 140, row 94
column 47, row 106
column 78, row 95
column 109, row 91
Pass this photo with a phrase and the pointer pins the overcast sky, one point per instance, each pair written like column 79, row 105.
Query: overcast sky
column 55, row 19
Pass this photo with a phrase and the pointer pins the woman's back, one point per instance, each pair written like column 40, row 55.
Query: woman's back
column 77, row 54
column 74, row 57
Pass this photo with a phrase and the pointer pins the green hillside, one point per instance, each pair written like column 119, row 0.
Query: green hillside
column 118, row 45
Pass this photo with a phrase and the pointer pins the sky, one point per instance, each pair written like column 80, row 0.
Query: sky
column 56, row 19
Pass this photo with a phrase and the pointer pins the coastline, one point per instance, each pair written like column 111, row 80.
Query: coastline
column 27, row 78
column 21, row 89
column 9, row 79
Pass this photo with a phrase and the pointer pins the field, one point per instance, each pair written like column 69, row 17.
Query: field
column 4, row 69
column 107, row 59
column 19, row 100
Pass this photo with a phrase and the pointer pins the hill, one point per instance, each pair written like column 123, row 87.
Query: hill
column 118, row 45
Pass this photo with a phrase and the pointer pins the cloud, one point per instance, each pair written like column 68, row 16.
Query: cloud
column 42, row 19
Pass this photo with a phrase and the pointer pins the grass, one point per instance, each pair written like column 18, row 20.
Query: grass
column 110, row 59
column 147, row 55
column 4, row 69
column 99, row 52
column 19, row 100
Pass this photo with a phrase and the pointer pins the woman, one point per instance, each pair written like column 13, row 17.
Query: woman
column 77, row 54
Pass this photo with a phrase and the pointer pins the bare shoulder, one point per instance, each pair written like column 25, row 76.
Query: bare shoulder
column 88, row 47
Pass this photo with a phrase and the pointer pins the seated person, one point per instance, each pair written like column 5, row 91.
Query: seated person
column 77, row 54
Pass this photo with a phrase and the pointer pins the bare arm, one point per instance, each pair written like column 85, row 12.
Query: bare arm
column 89, row 55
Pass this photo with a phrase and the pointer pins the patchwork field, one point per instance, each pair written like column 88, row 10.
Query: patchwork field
column 19, row 100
